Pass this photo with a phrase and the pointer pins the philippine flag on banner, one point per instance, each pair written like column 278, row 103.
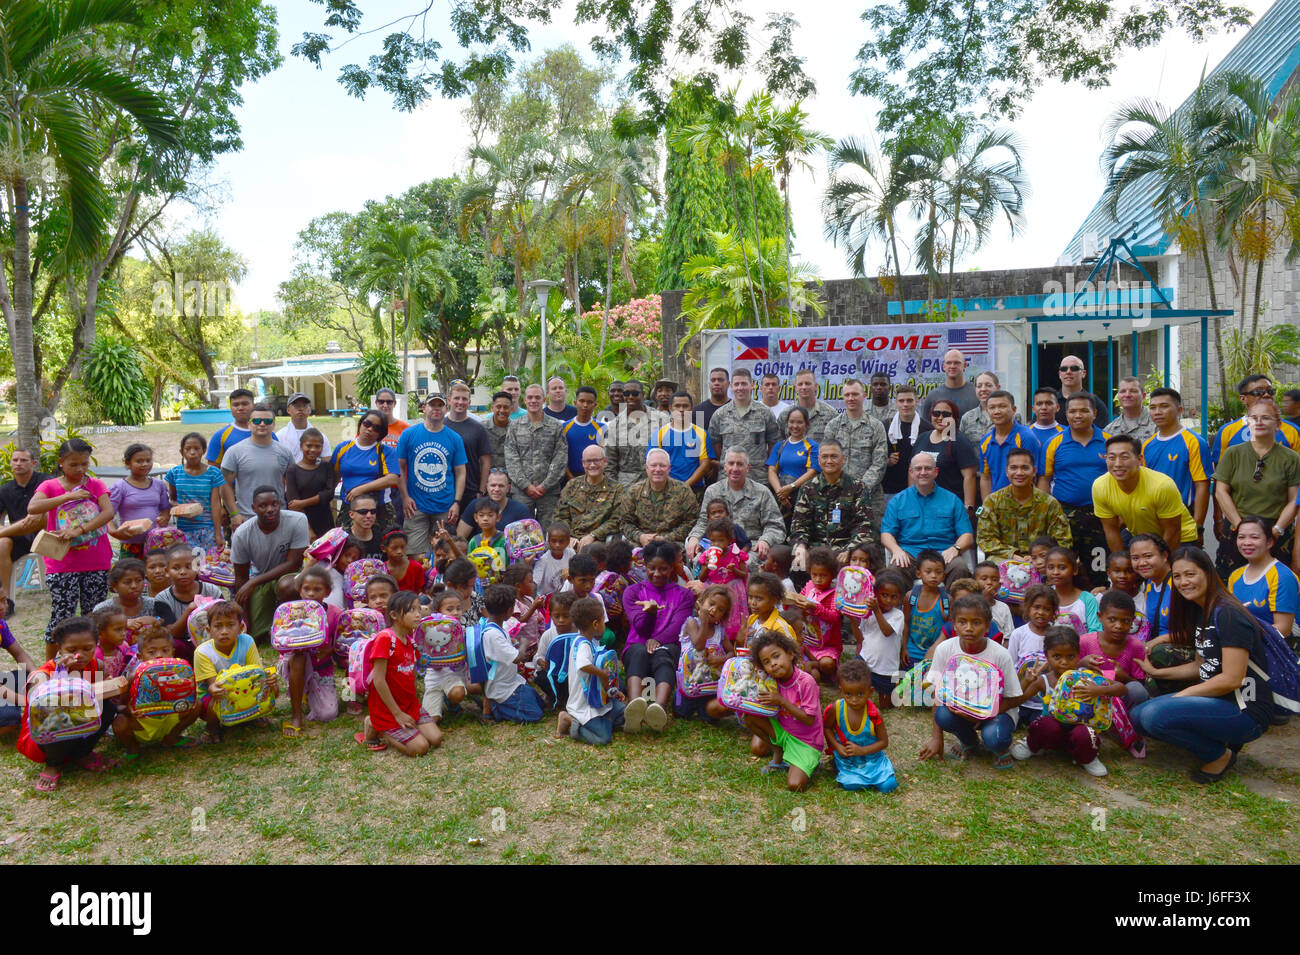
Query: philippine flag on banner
column 750, row 348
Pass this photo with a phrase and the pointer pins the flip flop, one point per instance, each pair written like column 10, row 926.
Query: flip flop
column 1003, row 761
column 289, row 731
column 374, row 745
column 48, row 781
column 775, row 767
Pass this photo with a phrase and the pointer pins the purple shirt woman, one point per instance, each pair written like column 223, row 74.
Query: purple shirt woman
column 656, row 609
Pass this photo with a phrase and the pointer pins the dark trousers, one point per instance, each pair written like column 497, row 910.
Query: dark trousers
column 1089, row 542
column 1081, row 742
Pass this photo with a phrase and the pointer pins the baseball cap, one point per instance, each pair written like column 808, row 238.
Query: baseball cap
column 434, row 396
column 298, row 396
column 665, row 381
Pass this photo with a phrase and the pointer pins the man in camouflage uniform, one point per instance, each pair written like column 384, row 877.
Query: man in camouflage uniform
column 819, row 412
column 833, row 510
column 536, row 456
column 497, row 424
column 751, row 504
column 865, row 444
column 880, row 407
column 1013, row 516
column 658, row 505
column 744, row 424
column 628, row 435
column 593, row 506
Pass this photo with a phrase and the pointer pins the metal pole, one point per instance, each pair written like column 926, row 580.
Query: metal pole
column 544, row 379
column 1166, row 343
column 1134, row 346
column 1205, row 378
column 1110, row 369
column 1033, row 357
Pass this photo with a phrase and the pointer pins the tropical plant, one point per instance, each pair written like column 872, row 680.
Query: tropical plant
column 53, row 84
column 789, row 139
column 583, row 361
column 47, row 454
column 641, row 321
column 1261, row 353
column 721, row 287
column 113, row 374
column 377, row 368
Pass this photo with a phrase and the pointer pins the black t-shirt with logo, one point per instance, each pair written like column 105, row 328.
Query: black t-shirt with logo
column 1231, row 626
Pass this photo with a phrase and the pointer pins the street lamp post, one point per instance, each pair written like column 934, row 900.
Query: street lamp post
column 542, row 289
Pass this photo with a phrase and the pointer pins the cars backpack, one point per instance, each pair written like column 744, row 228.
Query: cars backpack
column 326, row 547
column 162, row 687
column 1015, row 577
column 164, row 537
column 558, row 653
column 299, row 625
column 359, row 667
column 596, row 689
column 695, row 678
column 480, row 669
column 216, row 568
column 524, row 539
column 1059, row 702
column 63, row 708
column 487, row 560
column 739, row 685
column 854, row 590
column 250, row 693
column 358, row 575
column 440, row 642
column 970, row 686
column 79, row 512
column 913, row 687
column 197, row 624
column 355, row 625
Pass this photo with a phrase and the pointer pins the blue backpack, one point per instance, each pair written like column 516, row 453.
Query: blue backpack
column 480, row 668
column 557, row 666
column 596, row 690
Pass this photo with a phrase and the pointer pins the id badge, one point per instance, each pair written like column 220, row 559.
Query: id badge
column 835, row 516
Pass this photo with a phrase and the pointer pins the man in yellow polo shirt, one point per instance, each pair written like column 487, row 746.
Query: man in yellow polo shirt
column 1138, row 499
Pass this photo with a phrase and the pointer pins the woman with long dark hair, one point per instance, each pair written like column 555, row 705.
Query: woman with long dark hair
column 363, row 466
column 1230, row 702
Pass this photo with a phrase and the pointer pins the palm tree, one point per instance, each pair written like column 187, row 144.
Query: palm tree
column 616, row 174
column 1179, row 155
column 52, row 85
column 789, row 139
column 861, row 204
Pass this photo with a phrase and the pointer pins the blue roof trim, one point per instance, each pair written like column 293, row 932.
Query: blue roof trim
column 1057, row 300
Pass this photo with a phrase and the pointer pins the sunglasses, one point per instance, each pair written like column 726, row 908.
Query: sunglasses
column 365, row 510
column 1260, row 392
column 261, row 420
column 940, row 414
column 386, row 401
column 369, row 424
column 1071, row 368
column 631, row 394
column 1259, row 470
column 498, row 471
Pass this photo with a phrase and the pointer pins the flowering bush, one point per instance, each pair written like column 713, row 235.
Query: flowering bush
column 640, row 320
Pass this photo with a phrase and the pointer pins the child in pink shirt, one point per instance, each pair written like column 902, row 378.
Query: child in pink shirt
column 794, row 737
column 817, row 601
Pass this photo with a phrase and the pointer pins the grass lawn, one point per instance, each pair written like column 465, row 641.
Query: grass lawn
column 692, row 794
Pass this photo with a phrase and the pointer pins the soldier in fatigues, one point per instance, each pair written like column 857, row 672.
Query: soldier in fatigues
column 752, row 506
column 593, row 506
column 879, row 392
column 743, row 424
column 833, row 511
column 865, row 444
column 497, row 424
column 819, row 412
column 658, row 505
column 628, row 435
column 536, row 454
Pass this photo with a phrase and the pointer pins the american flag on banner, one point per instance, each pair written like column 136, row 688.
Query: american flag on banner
column 971, row 341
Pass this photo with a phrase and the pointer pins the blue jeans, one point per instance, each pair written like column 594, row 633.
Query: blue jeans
column 523, row 706
column 995, row 732
column 13, row 680
column 1205, row 725
column 599, row 730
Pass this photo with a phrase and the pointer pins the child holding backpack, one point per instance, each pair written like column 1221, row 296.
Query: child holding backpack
column 794, row 738
column 132, row 729
column 926, row 610
column 552, row 674
column 227, row 646
column 396, row 718
column 817, row 601
column 508, row 696
column 444, row 687
column 309, row 674
column 581, row 719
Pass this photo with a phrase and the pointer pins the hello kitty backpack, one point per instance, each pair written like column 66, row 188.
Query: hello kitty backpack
column 854, row 590
column 440, row 642
column 355, row 625
column 1015, row 577
column 164, row 537
column 970, row 686
column 358, row 575
column 216, row 568
column 524, row 539
column 61, row 709
column 250, row 693
column 197, row 624
column 739, row 685
column 326, row 547
column 299, row 625
column 1060, row 702
column 162, row 687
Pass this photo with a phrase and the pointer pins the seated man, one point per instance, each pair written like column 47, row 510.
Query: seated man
column 1012, row 517
column 593, row 506
column 498, row 496
column 833, row 510
column 265, row 550
column 658, row 505
column 751, row 504
column 926, row 517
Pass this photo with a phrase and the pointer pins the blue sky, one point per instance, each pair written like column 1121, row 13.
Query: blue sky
column 312, row 149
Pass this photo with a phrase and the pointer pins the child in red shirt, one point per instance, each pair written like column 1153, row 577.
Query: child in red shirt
column 408, row 573
column 395, row 714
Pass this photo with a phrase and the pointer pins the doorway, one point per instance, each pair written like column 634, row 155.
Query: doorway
column 1099, row 376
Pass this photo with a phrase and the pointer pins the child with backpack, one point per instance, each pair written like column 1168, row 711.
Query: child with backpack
column 132, row 729
column 395, row 717
column 817, row 601
column 927, row 609
column 724, row 563
column 794, row 738
column 1040, row 605
column 705, row 648
column 1078, row 607
column 507, row 695
column 986, row 575
column 552, row 674
column 526, row 618
column 1114, row 652
column 969, row 585
column 956, row 698
column 444, row 687
column 227, row 646
column 581, row 718
column 551, row 570
column 880, row 636
column 309, row 674
column 860, row 760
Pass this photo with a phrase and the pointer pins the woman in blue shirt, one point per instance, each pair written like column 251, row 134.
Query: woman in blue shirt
column 1266, row 587
column 1150, row 556
column 362, row 466
column 793, row 462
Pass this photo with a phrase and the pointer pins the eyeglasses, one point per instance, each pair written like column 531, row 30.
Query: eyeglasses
column 261, row 421
column 1260, row 392
column 385, row 401
column 368, row 424
column 363, row 511
column 1259, row 470
column 940, row 414
column 1071, row 368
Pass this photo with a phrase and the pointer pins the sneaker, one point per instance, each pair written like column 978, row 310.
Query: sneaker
column 656, row 717
column 1020, row 750
column 634, row 715
column 1095, row 768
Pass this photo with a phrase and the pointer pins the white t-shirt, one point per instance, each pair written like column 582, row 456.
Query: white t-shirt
column 568, row 585
column 1002, row 617
column 506, row 679
column 993, row 653
column 291, row 438
column 879, row 651
column 337, row 590
column 579, row 708
column 547, row 570
column 1023, row 641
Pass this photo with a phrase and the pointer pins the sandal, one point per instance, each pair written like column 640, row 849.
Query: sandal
column 94, row 763
column 289, row 731
column 1003, row 761
column 48, row 780
column 775, row 767
column 374, row 745
column 963, row 751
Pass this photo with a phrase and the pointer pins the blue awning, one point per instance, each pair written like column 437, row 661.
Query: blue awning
column 302, row 369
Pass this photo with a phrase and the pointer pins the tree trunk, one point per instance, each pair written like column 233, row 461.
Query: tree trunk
column 157, row 395
column 406, row 337
column 789, row 286
column 1214, row 305
column 609, row 289
column 898, row 268
column 929, row 267
column 1254, row 312
column 758, row 237
column 21, row 338
column 952, row 251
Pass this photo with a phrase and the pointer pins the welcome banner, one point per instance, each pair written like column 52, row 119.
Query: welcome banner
column 908, row 354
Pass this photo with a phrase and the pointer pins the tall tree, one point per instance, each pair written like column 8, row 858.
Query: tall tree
column 791, row 140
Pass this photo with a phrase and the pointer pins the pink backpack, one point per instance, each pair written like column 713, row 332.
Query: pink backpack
column 854, row 589
column 1070, row 619
column 326, row 547
column 1015, row 577
column 970, row 686
column 358, row 575
column 440, row 642
column 197, row 624
column 354, row 625
column 739, row 685
column 164, row 537
column 524, row 539
column 358, row 668
column 217, row 568
column 62, row 708
column 299, row 625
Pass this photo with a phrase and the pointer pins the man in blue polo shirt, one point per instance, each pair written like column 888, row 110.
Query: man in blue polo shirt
column 1070, row 463
column 580, row 431
column 432, row 460
column 690, row 449
column 1179, row 454
column 1006, row 433
column 926, row 517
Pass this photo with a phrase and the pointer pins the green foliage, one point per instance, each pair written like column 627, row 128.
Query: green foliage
column 1261, row 353
column 581, row 361
column 48, row 459
column 114, row 375
column 378, row 368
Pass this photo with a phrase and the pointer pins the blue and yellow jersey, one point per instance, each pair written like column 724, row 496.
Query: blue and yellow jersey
column 224, row 440
column 579, row 437
column 685, row 448
column 356, row 466
column 1072, row 467
column 1276, row 591
column 1180, row 457
column 993, row 456
column 1235, row 432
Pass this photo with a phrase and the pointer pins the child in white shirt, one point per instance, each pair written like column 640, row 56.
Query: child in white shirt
column 551, row 570
column 579, row 718
column 508, row 696
column 986, row 575
column 880, row 636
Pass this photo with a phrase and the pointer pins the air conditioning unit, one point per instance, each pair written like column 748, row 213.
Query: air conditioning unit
column 332, row 346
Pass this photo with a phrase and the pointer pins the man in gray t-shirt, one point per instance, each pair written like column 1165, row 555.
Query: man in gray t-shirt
column 263, row 550
column 955, row 387
column 257, row 461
